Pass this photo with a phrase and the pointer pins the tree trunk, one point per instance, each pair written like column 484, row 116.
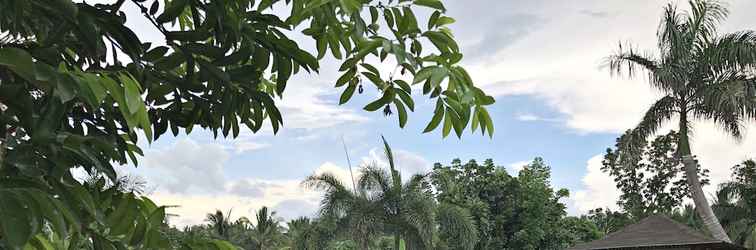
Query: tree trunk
column 397, row 241
column 699, row 197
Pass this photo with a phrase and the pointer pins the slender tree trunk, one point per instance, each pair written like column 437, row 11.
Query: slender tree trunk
column 699, row 197
column 397, row 241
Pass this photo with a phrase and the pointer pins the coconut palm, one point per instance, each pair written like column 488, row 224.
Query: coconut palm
column 382, row 204
column 356, row 212
column 703, row 75
column 267, row 231
column 220, row 223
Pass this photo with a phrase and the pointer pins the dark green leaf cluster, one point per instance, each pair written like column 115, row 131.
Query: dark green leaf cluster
column 735, row 204
column 78, row 88
column 511, row 212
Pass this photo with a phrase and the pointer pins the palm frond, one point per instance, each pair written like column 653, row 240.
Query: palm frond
column 661, row 111
column 395, row 175
column 731, row 51
column 457, row 226
column 418, row 212
column 671, row 34
column 373, row 178
column 728, row 100
column 704, row 18
column 336, row 199
column 628, row 60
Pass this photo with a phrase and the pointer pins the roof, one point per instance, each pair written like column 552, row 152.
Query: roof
column 655, row 232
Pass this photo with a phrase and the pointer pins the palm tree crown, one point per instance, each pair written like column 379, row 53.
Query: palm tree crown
column 702, row 74
column 383, row 204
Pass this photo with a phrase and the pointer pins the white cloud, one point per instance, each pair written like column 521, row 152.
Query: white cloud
column 600, row 190
column 718, row 151
column 242, row 146
column 408, row 163
column 561, row 65
column 187, row 166
column 308, row 107
column 714, row 149
column 288, row 198
column 528, row 117
column 515, row 167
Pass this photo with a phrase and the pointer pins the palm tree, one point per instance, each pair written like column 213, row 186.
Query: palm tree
column 267, row 231
column 220, row 223
column 356, row 213
column 381, row 204
column 300, row 233
column 702, row 75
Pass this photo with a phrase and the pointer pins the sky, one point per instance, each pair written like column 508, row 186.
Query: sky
column 541, row 60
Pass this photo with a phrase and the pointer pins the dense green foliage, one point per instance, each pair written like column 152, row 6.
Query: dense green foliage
column 78, row 88
column 511, row 212
column 702, row 75
column 736, row 204
column 383, row 205
column 651, row 177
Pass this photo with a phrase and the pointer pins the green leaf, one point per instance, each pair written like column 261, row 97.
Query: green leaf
column 445, row 20
column 132, row 96
column 49, row 211
column 438, row 75
column 39, row 242
column 347, row 94
column 264, row 4
column 424, row 74
column 333, row 43
column 484, row 116
column 157, row 217
column 389, row 17
column 188, row 36
column 433, row 19
column 346, row 77
column 402, row 112
column 407, row 99
column 447, row 123
column 350, row 6
column 475, row 119
column 438, row 114
column 17, row 223
column 373, row 14
column 371, row 69
column 156, row 53
column 214, row 71
column 374, row 78
column 19, row 61
column 436, row 4
column 404, row 85
column 172, row 11
column 387, row 97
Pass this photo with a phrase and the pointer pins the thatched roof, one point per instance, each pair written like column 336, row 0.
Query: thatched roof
column 656, row 232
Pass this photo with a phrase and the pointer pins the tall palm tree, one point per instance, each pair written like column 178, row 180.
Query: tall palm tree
column 703, row 75
column 381, row 204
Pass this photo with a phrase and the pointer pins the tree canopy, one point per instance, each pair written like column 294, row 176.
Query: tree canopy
column 651, row 177
column 79, row 88
column 511, row 212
